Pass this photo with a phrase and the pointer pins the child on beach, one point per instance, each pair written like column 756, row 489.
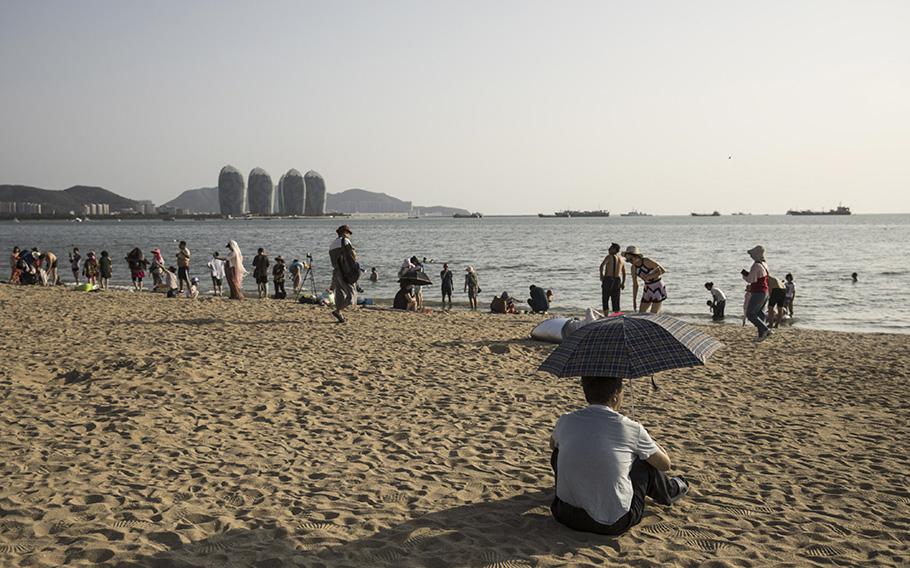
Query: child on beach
column 791, row 292
column 90, row 268
column 192, row 291
column 105, row 269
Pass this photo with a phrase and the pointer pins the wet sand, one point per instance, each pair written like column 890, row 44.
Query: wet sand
column 141, row 431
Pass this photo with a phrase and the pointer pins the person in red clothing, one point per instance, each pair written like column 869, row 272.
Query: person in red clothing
column 757, row 279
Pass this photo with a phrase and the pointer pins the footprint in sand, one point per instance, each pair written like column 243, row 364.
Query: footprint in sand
column 422, row 536
column 823, row 551
column 16, row 548
column 708, row 545
column 388, row 555
column 494, row 560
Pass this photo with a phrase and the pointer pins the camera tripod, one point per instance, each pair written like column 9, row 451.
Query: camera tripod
column 307, row 277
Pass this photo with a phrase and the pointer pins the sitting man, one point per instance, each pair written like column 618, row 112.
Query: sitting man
column 405, row 299
column 539, row 300
column 606, row 463
column 503, row 304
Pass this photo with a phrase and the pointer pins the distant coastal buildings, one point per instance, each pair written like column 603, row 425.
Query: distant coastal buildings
column 21, row 208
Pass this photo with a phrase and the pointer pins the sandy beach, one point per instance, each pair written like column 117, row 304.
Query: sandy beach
column 141, row 431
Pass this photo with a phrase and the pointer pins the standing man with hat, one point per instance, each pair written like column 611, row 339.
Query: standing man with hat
column 343, row 257
column 612, row 278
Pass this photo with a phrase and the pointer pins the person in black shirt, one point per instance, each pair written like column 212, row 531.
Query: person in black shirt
column 448, row 285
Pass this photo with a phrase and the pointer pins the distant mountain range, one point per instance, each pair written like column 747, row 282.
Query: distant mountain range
column 205, row 200
column 63, row 201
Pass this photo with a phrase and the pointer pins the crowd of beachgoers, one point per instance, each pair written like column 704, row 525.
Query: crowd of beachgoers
column 767, row 302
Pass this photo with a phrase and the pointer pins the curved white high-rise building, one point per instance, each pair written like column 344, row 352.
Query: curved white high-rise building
column 261, row 192
column 315, row 194
column 291, row 193
column 231, row 191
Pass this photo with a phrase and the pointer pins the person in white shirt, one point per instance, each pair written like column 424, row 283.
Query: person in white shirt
column 605, row 464
column 216, row 267
column 719, row 301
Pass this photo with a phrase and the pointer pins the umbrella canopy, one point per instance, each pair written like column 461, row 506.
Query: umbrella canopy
column 415, row 278
column 630, row 346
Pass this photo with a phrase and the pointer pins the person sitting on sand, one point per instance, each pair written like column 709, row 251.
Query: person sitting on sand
column 605, row 464
column 503, row 304
column 718, row 301
column 171, row 282
column 192, row 291
column 650, row 272
column 539, row 301
column 405, row 298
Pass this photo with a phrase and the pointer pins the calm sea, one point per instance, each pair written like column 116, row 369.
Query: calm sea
column 510, row 253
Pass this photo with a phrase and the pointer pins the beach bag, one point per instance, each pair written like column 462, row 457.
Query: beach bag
column 350, row 268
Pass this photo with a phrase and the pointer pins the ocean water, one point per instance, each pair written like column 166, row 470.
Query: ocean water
column 510, row 253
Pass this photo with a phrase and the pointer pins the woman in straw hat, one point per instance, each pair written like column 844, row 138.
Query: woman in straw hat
column 757, row 279
column 650, row 272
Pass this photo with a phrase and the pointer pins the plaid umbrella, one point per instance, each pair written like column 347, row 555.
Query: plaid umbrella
column 630, row 346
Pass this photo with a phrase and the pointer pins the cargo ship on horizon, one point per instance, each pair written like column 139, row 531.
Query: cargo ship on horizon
column 574, row 213
column 841, row 210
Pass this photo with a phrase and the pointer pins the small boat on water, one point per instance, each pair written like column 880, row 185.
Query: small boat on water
column 474, row 215
column 713, row 214
column 635, row 213
column 16, row 220
column 169, row 219
column 575, row 213
column 841, row 210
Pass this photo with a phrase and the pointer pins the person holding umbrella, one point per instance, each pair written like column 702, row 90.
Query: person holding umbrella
column 605, row 463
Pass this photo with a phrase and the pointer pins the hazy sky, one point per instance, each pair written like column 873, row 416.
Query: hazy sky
column 502, row 107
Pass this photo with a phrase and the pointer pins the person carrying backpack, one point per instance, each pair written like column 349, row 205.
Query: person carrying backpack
column 345, row 271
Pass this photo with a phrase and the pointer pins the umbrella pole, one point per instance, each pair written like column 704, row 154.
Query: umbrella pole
column 631, row 400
